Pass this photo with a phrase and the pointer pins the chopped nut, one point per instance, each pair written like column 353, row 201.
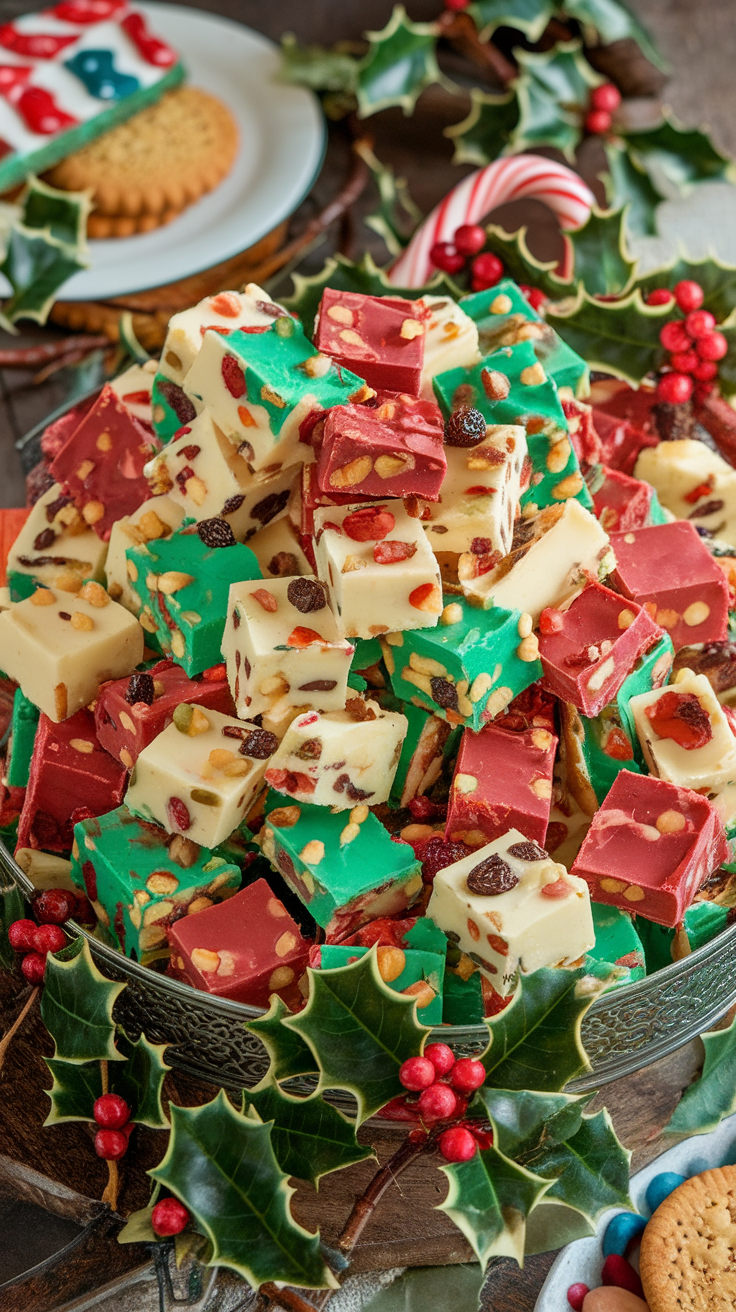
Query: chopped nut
column 528, row 648
column 178, row 646
column 389, row 466
column 352, row 338
column 542, row 788
column 465, row 783
column 497, row 702
column 220, row 757
column 670, row 822
column 152, row 527
column 351, row 563
column 173, row 580
column 425, row 665
column 415, row 833
column 85, row 469
column 68, row 581
column 82, row 745
column 131, row 570
column 634, row 893
column 391, row 963
column 95, row 595
column 569, row 487
column 104, row 442
column 533, row 375
column 158, row 911
column 352, row 473
column 410, row 329
column 501, row 304
column 495, row 384
column 422, row 992
column 481, row 684
column 198, row 723
column 61, row 700
column 196, row 490
column 280, row 977
column 359, row 814
column 93, row 512
column 452, row 613
column 626, row 618
column 205, row 961
column 696, row 613
column 285, row 944
column 313, row 853
column 81, row 621
column 340, row 313
column 349, row 833
column 558, row 456
column 162, row 882
column 42, row 597
column 238, row 769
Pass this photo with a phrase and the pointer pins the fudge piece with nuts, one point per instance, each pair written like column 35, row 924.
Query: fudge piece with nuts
column 101, row 464
column 430, row 742
column 685, row 735
column 622, row 503
column 381, row 338
column 183, row 582
column 61, row 646
column 650, row 846
column 503, row 317
column 450, row 339
column 379, row 568
column 69, row 769
column 200, row 776
column 154, row 519
column 511, row 908
column 392, row 449
column 415, row 974
column 140, row 880
column 339, row 758
column 281, row 645
column 343, row 866
column 246, row 949
column 694, row 483
column 588, row 649
column 502, row 781
column 470, row 667
column 261, row 384
column 130, row 713
column 668, row 570
column 55, row 547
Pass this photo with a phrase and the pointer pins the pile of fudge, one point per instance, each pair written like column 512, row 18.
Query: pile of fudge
column 376, row 634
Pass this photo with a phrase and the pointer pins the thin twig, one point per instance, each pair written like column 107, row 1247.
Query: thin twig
column 286, row 1298
column 460, row 30
column 27, row 357
column 365, row 1206
column 110, row 1194
column 8, row 1038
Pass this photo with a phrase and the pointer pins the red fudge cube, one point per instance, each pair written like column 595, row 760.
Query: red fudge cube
column 650, row 846
column 667, row 569
column 624, row 421
column 57, row 433
column 131, row 712
column 583, row 435
column 313, row 498
column 395, row 449
column 70, row 771
column 246, row 949
column 621, row 502
column 502, row 781
column 588, row 649
column 379, row 338
column 101, row 464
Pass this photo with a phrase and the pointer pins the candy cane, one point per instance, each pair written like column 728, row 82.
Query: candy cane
column 472, row 199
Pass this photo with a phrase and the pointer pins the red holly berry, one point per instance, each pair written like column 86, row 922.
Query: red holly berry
column 597, row 121
column 469, row 238
column 607, row 97
column 111, row 1144
column 673, row 336
column 441, row 1056
column 33, row 967
column 684, row 362
column 417, row 1073
column 467, row 1075
column 20, row 935
column 711, row 346
column 169, row 1217
column 674, row 389
column 660, row 296
column 689, row 295
column 111, row 1111
column 443, row 255
column 576, row 1296
column 54, row 906
column 701, row 393
column 699, row 323
column 706, row 371
column 437, row 1103
column 487, row 269
column 49, row 938
column 457, row 1144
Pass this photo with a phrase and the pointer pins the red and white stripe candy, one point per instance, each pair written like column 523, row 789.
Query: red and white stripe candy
column 515, row 178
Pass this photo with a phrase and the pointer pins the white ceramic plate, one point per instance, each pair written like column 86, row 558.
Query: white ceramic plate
column 582, row 1261
column 282, row 138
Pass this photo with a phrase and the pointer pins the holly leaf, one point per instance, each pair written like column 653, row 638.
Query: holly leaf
column 523, row 1119
column 628, row 183
column 36, row 265
column 602, row 260
column 62, row 214
column 140, row 1080
column 553, row 89
column 222, row 1167
column 289, row 1054
column 400, row 63
column 360, row 1031
column 309, row 1137
column 321, row 68
column 535, row 1042
column 606, row 21
column 617, row 337
column 397, row 215
column 527, row 16
column 489, row 1200
column 12, row 907
column 486, row 131
column 683, row 156
column 524, row 267
column 347, row 276
column 76, row 1007
column 138, row 1228
column 717, row 280
column 76, row 1087
column 706, row 1102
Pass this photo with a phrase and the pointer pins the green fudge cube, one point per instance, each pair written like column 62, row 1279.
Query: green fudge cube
column 555, row 470
column 430, row 741
column 188, row 618
column 420, row 966
column 703, row 920
column 344, row 879
column 367, row 653
column 23, row 725
column 618, row 955
column 502, row 313
column 462, row 999
column 475, row 669
column 134, row 875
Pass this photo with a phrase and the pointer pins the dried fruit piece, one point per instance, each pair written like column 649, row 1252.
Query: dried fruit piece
column 680, row 716
column 179, row 817
column 369, row 524
column 306, row 595
column 465, row 427
column 527, row 851
column 491, row 877
column 233, row 376
column 216, row 533
column 140, row 689
column 390, row 553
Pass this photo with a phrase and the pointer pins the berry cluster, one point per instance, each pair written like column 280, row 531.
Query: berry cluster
column 35, row 940
column 468, row 241
column 604, row 101
column 112, row 1114
column 443, row 1084
column 693, row 343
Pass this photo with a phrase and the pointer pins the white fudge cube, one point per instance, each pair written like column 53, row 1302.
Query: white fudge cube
column 694, row 483
column 493, row 904
column 479, row 497
column 278, row 550
column 134, row 387
column 281, row 645
column 226, row 310
column 368, row 596
column 61, row 646
column 200, row 780
column 341, row 758
column 55, row 544
column 553, row 553
column 156, row 518
column 702, row 768
column 450, row 339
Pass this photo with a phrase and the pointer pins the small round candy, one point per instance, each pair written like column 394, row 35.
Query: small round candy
column 576, row 1294
column 617, row 1271
column 620, row 1231
column 608, row 1298
column 661, row 1187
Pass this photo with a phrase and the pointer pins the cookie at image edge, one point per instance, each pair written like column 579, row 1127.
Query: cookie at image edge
column 688, row 1250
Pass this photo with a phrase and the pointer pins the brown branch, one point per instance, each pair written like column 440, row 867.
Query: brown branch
column 365, row 1206
column 286, row 1298
column 8, row 1038
column 719, row 419
column 105, row 1076
column 460, row 30
column 27, row 357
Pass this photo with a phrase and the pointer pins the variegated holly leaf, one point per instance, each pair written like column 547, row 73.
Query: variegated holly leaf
column 360, row 1031
column 683, row 156
column 139, row 1080
column 489, row 1200
column 713, row 1096
column 602, row 260
column 74, row 1091
column 309, row 1137
column 487, row 130
column 553, row 89
column 289, row 1054
column 717, row 280
column 527, row 16
column 76, row 1006
column 606, row 21
column 12, row 907
column 222, row 1167
column 535, row 1042
column 44, row 248
column 397, row 216
column 345, row 275
column 62, row 214
column 628, row 183
column 523, row 1119
column 522, row 266
column 617, row 337
column 321, row 68
column 400, row 63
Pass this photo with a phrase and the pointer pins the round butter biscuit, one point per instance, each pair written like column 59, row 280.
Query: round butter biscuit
column 687, row 1261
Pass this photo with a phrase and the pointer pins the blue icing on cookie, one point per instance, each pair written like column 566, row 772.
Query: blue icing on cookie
column 95, row 68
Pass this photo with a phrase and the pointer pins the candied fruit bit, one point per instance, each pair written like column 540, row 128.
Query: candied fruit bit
column 558, row 888
column 491, row 877
column 680, row 716
column 265, row 599
column 140, row 689
column 306, row 595
column 369, row 524
column 179, row 817
column 216, row 533
column 233, row 376
column 423, row 597
column 391, row 553
column 303, row 637
column 465, row 427
column 616, row 745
